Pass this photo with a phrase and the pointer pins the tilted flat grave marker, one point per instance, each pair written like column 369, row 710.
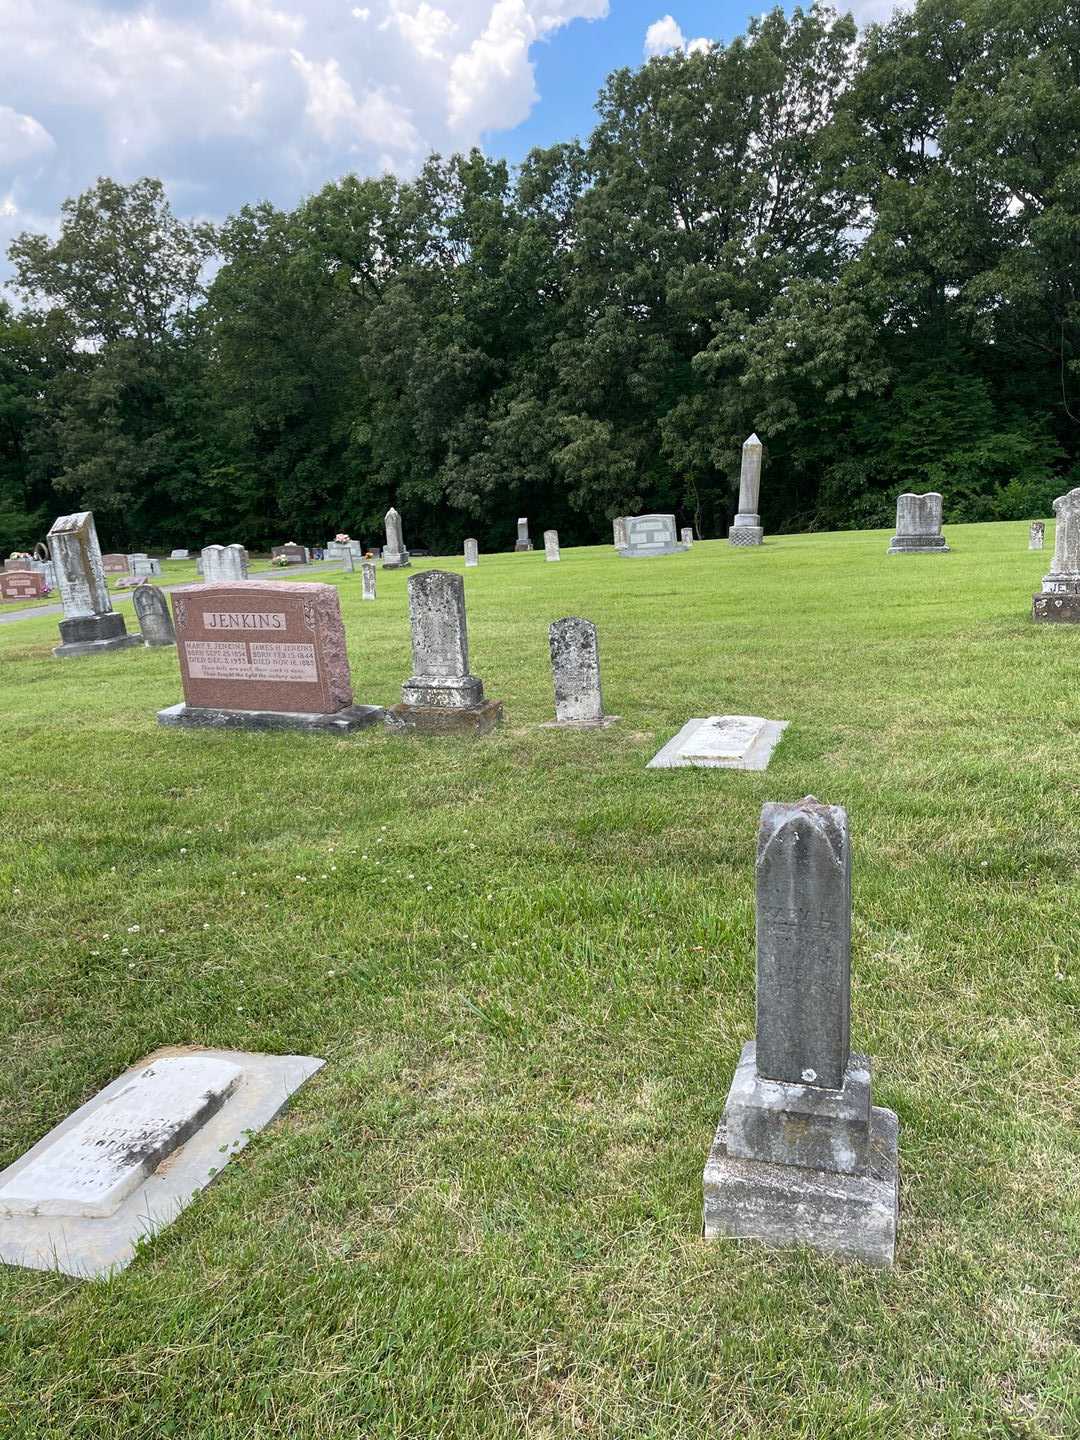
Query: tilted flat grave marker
column 726, row 742
column 155, row 622
column 264, row 656
column 81, row 1199
column 800, row 1155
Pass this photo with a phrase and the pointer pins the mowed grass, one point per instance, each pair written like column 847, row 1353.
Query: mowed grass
column 529, row 964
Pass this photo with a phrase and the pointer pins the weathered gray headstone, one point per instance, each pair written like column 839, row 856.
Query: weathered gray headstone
column 224, row 562
column 394, row 555
column 155, row 622
column 551, row 545
column 472, row 553
column 441, row 696
column 801, row 1156
column 367, row 579
column 918, row 525
column 90, row 624
column 575, row 669
column 180, row 555
column 1036, row 535
column 686, row 534
column 747, row 527
column 523, row 542
column 618, row 526
column 1059, row 599
column 650, row 535
column 144, row 565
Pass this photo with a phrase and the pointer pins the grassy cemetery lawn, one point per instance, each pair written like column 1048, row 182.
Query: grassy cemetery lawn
column 529, row 964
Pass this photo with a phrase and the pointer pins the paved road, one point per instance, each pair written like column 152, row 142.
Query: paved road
column 9, row 617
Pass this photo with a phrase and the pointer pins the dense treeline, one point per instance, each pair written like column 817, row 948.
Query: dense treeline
column 865, row 248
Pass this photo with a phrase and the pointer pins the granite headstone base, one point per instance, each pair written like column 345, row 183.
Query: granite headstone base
column 479, row 719
column 917, row 545
column 1061, row 609
column 852, row 1217
column 93, row 634
column 396, row 559
column 339, row 722
column 601, row 724
column 746, row 535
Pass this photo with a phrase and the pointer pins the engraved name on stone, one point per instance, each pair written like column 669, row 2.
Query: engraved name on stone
column 244, row 620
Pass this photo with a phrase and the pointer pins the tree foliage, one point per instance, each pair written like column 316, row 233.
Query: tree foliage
column 865, row 248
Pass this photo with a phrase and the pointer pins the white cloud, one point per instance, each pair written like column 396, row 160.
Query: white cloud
column 22, row 138
column 239, row 100
column 665, row 36
column 870, row 12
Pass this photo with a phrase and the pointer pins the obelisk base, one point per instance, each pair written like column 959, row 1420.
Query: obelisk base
column 93, row 634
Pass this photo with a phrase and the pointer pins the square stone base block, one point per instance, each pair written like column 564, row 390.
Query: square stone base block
column 853, row 1217
column 1064, row 609
column 341, row 722
column 96, row 647
column 746, row 535
column 917, row 545
column 85, row 1245
column 446, row 720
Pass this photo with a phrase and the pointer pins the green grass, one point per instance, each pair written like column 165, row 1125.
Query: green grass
column 529, row 964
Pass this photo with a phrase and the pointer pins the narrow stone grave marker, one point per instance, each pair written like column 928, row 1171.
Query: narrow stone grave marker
column 618, row 530
column 155, row 622
column 442, row 697
column 1059, row 599
column 746, row 529
column 801, row 1156
column 1036, row 535
column 89, row 1191
column 472, row 554
column 686, row 534
column 264, row 657
column 551, row 545
column 368, row 573
column 725, row 742
column 523, row 542
column 90, row 625
column 918, row 526
column 394, row 555
column 575, row 668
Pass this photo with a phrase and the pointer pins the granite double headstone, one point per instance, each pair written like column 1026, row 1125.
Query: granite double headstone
column 801, row 1156
column 224, row 562
column 650, row 535
column 918, row 525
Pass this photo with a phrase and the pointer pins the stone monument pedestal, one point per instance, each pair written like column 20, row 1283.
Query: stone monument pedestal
column 339, row 722
column 93, row 634
column 1062, row 608
column 917, row 545
column 480, row 719
column 746, row 531
column 396, row 559
column 1059, row 599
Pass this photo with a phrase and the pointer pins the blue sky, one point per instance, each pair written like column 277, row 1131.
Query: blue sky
column 231, row 101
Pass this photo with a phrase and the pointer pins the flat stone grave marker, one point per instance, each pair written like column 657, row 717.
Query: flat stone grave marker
column 22, row 585
column 650, row 535
column 264, row 656
column 726, row 742
column 800, row 1155
column 81, row 1199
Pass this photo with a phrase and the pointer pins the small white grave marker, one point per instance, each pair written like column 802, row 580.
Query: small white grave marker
column 730, row 742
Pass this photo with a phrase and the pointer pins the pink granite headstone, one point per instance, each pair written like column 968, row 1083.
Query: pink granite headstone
column 262, row 647
column 115, row 564
column 22, row 585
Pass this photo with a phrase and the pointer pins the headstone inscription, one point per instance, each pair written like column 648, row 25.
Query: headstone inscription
column 90, row 625
column 523, row 542
column 721, row 742
column 918, row 526
column 551, row 545
column 649, row 535
column 1059, row 599
column 114, row 564
column 686, row 534
column 224, row 562
column 91, row 1192
column 22, row 585
column 618, row 527
column 575, row 669
column 155, row 622
column 367, row 579
column 1036, row 535
column 801, row 1156
column 394, row 555
column 441, row 697
column 264, row 657
column 746, row 529
column 472, row 553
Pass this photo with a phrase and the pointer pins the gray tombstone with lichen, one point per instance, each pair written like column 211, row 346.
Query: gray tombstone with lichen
column 90, row 624
column 551, row 545
column 575, row 669
column 801, row 1156
column 918, row 525
column 472, row 553
column 155, row 622
column 441, row 696
column 367, row 579
column 746, row 529
column 1059, row 599
column 394, row 555
column 224, row 562
column 523, row 542
column 1036, row 535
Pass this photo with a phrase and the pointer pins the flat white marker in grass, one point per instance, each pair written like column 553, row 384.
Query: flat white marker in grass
column 729, row 742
